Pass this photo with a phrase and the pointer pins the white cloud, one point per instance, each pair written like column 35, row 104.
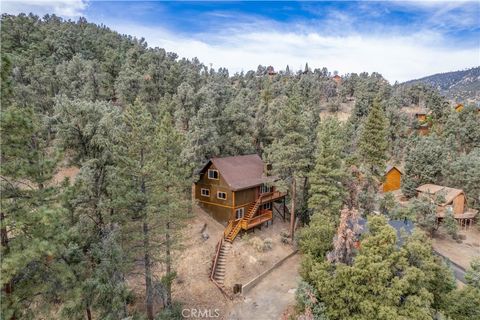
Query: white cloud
column 397, row 57
column 63, row 8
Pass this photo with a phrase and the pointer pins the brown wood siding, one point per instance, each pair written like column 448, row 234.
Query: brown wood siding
column 214, row 186
column 244, row 197
column 392, row 180
column 221, row 214
column 423, row 131
column 458, row 204
column 421, row 117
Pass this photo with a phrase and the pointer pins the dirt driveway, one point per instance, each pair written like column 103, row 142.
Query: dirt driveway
column 268, row 299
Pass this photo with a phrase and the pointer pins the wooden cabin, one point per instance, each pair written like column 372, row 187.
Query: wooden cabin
column 271, row 71
column 393, row 177
column 337, row 79
column 459, row 107
column 424, row 129
column 453, row 199
column 421, row 115
column 236, row 192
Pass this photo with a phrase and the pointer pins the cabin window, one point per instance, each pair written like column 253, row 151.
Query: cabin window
column 267, row 206
column 265, row 189
column 212, row 174
column 239, row 213
column 222, row 195
column 205, row 192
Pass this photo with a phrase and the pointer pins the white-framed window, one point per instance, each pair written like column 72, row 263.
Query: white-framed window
column 239, row 213
column 265, row 189
column 267, row 206
column 205, row 192
column 221, row 195
column 213, row 174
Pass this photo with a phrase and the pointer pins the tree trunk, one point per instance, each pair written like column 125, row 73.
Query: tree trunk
column 89, row 313
column 148, row 272
column 168, row 298
column 292, row 212
column 8, row 287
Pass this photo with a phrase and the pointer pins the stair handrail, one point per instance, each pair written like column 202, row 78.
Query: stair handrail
column 236, row 229
column 215, row 257
column 228, row 228
column 214, row 266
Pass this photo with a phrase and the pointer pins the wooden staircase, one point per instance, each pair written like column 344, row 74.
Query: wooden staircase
column 248, row 221
column 217, row 274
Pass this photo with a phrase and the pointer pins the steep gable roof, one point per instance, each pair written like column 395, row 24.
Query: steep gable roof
column 433, row 189
column 389, row 168
column 240, row 172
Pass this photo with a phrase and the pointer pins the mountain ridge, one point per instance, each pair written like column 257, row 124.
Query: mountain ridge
column 460, row 86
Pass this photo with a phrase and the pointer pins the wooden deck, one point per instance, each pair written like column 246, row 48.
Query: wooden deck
column 252, row 219
column 264, row 216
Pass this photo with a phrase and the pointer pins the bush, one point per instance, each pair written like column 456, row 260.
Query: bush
column 172, row 313
column 473, row 274
column 284, row 237
column 307, row 302
column 256, row 243
column 245, row 237
column 267, row 244
column 317, row 238
column 450, row 224
column 387, row 204
column 425, row 213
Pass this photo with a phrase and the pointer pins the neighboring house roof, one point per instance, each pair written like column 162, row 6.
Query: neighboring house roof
column 433, row 189
column 421, row 111
column 398, row 225
column 240, row 172
column 389, row 168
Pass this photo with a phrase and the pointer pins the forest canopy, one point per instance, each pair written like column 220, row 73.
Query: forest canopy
column 137, row 121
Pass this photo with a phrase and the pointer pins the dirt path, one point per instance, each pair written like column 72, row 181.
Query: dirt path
column 461, row 253
column 268, row 299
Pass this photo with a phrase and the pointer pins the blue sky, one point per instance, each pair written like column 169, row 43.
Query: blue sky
column 401, row 40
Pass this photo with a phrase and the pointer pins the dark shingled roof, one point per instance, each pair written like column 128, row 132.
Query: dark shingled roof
column 398, row 225
column 241, row 172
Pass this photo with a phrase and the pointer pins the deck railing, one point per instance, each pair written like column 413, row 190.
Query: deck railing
column 271, row 196
column 265, row 215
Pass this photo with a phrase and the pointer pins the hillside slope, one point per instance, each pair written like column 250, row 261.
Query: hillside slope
column 457, row 85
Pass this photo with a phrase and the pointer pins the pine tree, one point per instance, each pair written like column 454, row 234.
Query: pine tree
column 344, row 242
column 28, row 213
column 383, row 281
column 288, row 152
column 316, row 238
column 373, row 140
column 96, row 282
column 326, row 189
column 472, row 276
column 133, row 192
column 151, row 193
column 424, row 164
column 236, row 127
column 170, row 203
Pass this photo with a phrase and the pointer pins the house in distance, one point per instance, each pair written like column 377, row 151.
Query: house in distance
column 393, row 178
column 237, row 192
column 451, row 199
